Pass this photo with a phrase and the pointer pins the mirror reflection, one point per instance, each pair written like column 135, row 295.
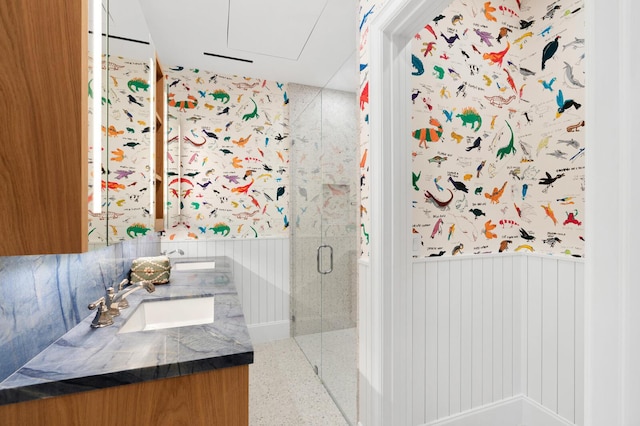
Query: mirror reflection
column 127, row 127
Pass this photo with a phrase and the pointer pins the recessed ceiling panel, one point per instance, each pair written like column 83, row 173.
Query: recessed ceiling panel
column 277, row 28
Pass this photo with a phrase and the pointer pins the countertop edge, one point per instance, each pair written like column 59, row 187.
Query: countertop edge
column 119, row 378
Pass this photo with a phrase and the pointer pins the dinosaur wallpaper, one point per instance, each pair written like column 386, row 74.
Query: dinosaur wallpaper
column 228, row 156
column 227, row 177
column 125, row 181
column 498, row 125
column 366, row 12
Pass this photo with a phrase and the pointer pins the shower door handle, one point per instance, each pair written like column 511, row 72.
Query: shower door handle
column 319, row 253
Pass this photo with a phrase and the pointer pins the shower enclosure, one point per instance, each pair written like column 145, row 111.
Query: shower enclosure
column 324, row 237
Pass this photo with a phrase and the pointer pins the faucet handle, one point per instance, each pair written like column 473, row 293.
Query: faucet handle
column 123, row 283
column 102, row 318
column 114, row 308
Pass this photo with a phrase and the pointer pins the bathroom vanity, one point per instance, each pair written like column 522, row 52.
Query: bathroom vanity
column 196, row 374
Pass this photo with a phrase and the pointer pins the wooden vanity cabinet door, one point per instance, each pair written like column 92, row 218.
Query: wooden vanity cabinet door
column 43, row 132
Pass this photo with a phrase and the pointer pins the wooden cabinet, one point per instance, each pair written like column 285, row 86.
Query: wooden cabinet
column 43, row 134
column 217, row 397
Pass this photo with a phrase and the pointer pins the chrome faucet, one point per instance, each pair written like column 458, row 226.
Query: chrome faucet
column 119, row 301
column 109, row 306
column 166, row 253
column 103, row 317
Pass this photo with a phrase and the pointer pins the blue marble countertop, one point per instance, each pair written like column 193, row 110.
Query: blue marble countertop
column 87, row 358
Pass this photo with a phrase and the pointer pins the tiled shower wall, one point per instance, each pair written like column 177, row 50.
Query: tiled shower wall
column 45, row 296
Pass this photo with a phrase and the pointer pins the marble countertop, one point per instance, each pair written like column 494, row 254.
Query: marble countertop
column 88, row 358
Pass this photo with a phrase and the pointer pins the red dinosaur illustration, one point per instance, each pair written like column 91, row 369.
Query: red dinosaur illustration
column 496, row 57
column 364, row 96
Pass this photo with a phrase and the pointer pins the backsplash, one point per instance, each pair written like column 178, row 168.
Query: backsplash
column 44, row 296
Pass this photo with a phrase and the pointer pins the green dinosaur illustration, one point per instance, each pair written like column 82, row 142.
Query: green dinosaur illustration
column 470, row 116
column 364, row 232
column 509, row 149
column 439, row 72
column 252, row 114
column 137, row 229
column 416, row 178
column 136, row 84
column 220, row 95
column 221, row 228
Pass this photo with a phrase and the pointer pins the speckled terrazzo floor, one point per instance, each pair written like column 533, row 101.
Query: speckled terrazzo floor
column 284, row 390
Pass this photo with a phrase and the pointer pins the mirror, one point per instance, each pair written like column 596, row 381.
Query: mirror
column 128, row 125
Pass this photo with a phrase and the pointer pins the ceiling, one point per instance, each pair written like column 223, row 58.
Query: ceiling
column 310, row 42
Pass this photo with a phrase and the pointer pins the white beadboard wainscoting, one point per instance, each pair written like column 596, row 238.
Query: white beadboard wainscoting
column 495, row 340
column 261, row 275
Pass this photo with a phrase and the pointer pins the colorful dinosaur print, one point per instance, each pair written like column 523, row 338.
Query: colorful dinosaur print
column 470, row 116
column 112, row 186
column 496, row 194
column 437, row 228
column 220, row 95
column 252, row 114
column 439, row 72
column 428, row 135
column 365, row 233
column 437, row 159
column 510, row 148
column 364, row 96
column 488, row 10
column 221, row 228
column 245, row 215
column 136, row 84
column 499, row 101
column 488, row 227
column 429, row 196
column 245, row 86
column 137, row 229
column 549, row 212
column 182, row 106
column 417, row 65
column 571, row 218
column 415, row 179
column 496, row 57
column 504, row 245
column 575, row 127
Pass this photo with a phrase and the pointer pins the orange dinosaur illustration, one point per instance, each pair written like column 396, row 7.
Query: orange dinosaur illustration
column 118, row 155
column 242, row 141
column 112, row 131
column 496, row 57
column 496, row 194
column 549, row 212
column 114, row 186
column 236, row 163
column 488, row 227
column 488, row 9
column 243, row 189
column 363, row 161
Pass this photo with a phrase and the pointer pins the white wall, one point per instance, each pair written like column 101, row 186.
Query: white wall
column 261, row 275
column 485, row 329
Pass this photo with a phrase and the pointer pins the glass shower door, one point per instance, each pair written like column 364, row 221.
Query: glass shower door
column 325, row 197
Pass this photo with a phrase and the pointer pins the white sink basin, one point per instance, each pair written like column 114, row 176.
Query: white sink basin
column 194, row 266
column 160, row 314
